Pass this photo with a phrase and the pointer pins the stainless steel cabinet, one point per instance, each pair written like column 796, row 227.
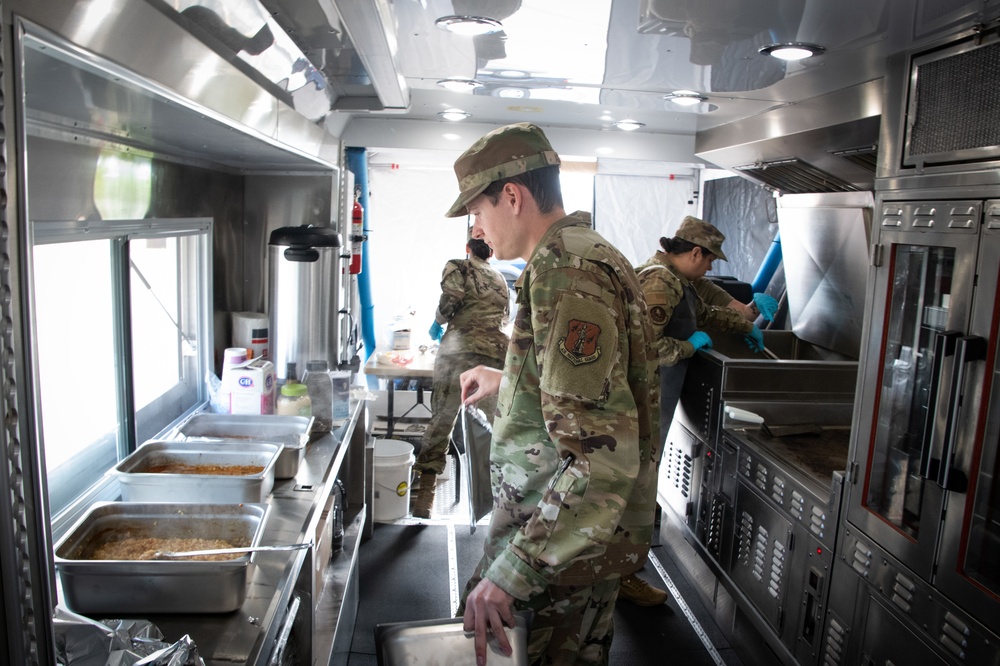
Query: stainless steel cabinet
column 925, row 444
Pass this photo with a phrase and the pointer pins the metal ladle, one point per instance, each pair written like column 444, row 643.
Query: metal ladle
column 226, row 551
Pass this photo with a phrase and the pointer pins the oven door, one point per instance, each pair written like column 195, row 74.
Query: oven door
column 968, row 568
column 921, row 302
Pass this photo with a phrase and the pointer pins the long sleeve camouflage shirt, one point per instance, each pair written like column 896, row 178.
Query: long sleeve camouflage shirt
column 573, row 457
column 662, row 287
column 475, row 304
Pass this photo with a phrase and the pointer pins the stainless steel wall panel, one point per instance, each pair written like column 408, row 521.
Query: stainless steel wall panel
column 824, row 241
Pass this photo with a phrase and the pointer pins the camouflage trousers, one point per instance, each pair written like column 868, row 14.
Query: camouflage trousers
column 572, row 624
column 446, row 400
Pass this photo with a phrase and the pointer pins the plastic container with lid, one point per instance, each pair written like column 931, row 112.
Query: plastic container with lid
column 294, row 400
column 317, row 380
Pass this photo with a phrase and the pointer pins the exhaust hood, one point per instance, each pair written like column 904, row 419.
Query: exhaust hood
column 826, row 144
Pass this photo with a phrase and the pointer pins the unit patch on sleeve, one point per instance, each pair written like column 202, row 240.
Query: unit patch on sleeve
column 658, row 315
column 580, row 344
column 581, row 348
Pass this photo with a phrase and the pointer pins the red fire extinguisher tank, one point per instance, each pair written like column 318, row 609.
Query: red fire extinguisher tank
column 357, row 236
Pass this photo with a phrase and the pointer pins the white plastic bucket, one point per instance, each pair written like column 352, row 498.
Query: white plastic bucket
column 393, row 464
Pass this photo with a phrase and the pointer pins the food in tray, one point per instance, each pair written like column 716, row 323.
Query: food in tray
column 144, row 547
column 171, row 467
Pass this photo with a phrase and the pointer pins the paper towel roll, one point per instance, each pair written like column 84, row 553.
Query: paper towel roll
column 250, row 331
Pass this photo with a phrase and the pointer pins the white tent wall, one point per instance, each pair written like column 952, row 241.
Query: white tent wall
column 410, row 240
column 638, row 202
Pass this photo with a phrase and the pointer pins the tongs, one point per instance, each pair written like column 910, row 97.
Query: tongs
column 769, row 354
column 165, row 554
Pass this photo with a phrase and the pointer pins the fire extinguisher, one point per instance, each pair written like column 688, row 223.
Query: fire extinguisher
column 357, row 236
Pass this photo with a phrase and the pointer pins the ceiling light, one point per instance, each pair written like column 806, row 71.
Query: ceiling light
column 628, row 124
column 458, row 84
column 511, row 73
column 791, row 50
column 469, row 25
column 685, row 97
column 454, row 114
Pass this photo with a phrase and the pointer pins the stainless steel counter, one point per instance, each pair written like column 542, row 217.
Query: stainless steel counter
column 251, row 634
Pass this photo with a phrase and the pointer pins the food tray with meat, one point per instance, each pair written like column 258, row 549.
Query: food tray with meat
column 290, row 431
column 127, row 530
column 191, row 471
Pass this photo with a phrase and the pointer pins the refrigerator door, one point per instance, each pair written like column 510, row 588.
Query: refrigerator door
column 969, row 562
column 922, row 295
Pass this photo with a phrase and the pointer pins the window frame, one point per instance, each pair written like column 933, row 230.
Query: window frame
column 121, row 233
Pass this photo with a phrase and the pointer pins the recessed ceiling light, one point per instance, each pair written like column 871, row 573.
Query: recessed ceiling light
column 791, row 50
column 459, row 84
column 454, row 114
column 628, row 125
column 450, row 137
column 511, row 73
column 685, row 97
column 469, row 25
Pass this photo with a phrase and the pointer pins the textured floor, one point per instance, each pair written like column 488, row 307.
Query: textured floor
column 414, row 569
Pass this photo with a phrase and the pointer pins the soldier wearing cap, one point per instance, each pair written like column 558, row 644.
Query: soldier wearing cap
column 679, row 316
column 573, row 452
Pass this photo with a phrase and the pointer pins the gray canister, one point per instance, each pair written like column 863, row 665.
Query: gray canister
column 304, row 283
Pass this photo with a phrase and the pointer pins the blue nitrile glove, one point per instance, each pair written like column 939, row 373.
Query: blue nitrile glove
column 755, row 339
column 700, row 339
column 437, row 332
column 766, row 305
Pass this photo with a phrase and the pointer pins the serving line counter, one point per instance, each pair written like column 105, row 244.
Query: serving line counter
column 300, row 606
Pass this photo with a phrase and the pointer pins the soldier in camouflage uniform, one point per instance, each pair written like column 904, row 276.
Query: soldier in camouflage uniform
column 678, row 315
column 475, row 307
column 573, row 454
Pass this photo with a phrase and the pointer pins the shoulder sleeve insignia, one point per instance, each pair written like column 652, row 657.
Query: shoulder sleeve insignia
column 658, row 315
column 579, row 345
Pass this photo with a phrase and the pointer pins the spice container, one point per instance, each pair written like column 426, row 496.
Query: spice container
column 294, row 400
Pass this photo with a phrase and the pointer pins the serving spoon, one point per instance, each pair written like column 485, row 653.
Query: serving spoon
column 166, row 554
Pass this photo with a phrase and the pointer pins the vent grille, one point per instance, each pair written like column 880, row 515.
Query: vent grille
column 866, row 158
column 793, row 176
column 954, row 87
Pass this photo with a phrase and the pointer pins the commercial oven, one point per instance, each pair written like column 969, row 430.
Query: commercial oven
column 920, row 550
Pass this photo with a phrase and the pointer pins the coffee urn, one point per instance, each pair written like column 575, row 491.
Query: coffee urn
column 304, row 271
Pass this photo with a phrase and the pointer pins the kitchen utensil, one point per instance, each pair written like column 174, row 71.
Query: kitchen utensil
column 770, row 354
column 226, row 551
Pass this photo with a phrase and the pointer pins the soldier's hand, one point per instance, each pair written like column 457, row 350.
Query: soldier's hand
column 488, row 608
column 478, row 383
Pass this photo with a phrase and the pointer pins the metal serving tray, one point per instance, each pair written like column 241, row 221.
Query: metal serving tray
column 138, row 484
column 291, row 431
column 110, row 588
column 446, row 642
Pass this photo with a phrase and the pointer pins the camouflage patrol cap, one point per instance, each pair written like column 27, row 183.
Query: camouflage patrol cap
column 506, row 151
column 702, row 233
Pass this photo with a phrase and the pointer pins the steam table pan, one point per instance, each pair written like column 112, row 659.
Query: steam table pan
column 140, row 484
column 446, row 643
column 111, row 588
column 291, row 431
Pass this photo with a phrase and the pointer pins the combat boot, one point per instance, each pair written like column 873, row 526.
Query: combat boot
column 424, row 496
column 640, row 592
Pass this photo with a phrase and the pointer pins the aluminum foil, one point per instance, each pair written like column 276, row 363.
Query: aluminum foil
column 81, row 641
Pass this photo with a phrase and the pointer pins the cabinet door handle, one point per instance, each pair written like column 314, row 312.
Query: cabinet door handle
column 967, row 350
column 944, row 345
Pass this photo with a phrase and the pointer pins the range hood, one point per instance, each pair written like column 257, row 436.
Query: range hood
column 826, row 144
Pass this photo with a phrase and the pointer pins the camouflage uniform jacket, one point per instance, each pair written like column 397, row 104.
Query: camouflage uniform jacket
column 475, row 303
column 573, row 457
column 663, row 288
column 712, row 293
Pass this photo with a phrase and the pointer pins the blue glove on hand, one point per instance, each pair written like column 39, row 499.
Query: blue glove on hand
column 766, row 305
column 755, row 340
column 437, row 332
column 700, row 339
